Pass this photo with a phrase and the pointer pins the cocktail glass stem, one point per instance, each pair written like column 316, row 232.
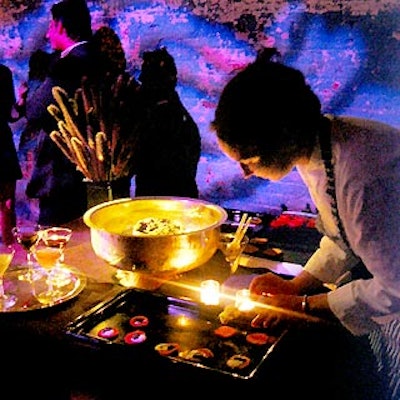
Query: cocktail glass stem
column 2, row 293
column 29, row 257
column 62, row 256
column 7, row 301
column 49, row 282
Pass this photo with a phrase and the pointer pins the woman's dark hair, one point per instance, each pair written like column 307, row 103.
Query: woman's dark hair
column 39, row 65
column 109, row 51
column 268, row 110
column 158, row 70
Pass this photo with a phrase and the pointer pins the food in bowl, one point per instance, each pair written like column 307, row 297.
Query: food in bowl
column 156, row 226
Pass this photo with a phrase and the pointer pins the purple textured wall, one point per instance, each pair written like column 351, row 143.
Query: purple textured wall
column 349, row 51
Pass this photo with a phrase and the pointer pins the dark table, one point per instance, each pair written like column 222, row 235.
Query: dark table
column 41, row 361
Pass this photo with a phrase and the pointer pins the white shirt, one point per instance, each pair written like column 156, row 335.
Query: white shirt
column 66, row 51
column 366, row 159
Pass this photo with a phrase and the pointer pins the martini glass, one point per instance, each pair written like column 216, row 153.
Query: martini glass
column 6, row 256
column 57, row 237
column 27, row 234
column 48, row 258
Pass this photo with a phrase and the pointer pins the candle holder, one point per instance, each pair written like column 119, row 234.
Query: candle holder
column 243, row 300
column 210, row 292
column 231, row 249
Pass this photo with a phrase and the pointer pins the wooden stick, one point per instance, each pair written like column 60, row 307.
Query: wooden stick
column 241, row 230
column 57, row 138
column 241, row 224
column 77, row 145
column 242, row 233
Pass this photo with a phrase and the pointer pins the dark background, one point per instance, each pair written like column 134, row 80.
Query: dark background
column 348, row 50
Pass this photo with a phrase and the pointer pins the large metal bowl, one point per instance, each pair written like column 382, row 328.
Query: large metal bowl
column 112, row 237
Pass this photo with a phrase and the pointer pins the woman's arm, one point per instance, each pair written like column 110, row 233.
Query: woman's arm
column 271, row 283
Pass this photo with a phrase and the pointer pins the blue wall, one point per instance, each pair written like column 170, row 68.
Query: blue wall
column 348, row 50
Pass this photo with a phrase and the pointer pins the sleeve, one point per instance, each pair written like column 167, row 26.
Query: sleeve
column 371, row 217
column 36, row 109
column 330, row 261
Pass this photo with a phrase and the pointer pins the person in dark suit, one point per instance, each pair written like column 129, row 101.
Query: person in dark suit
column 55, row 181
column 168, row 148
column 10, row 170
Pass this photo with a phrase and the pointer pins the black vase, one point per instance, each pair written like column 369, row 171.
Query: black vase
column 100, row 192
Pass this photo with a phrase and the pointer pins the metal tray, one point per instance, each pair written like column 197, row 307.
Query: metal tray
column 170, row 320
column 15, row 282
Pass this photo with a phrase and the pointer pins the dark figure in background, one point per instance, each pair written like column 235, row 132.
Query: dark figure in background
column 55, row 180
column 39, row 68
column 10, row 170
column 30, row 136
column 269, row 120
column 111, row 71
column 110, row 55
column 169, row 143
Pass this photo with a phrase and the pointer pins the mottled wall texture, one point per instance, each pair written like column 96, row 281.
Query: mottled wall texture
column 349, row 51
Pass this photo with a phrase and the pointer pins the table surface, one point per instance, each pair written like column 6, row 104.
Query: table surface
column 37, row 341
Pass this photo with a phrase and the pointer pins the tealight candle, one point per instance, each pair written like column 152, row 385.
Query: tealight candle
column 209, row 292
column 243, row 300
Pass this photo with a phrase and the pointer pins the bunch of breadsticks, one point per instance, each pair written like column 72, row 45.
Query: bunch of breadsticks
column 95, row 128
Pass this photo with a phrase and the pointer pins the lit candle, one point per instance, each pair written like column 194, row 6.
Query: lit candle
column 243, row 300
column 209, row 292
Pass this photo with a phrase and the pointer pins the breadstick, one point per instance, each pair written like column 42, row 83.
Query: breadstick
column 57, row 138
column 78, row 148
column 61, row 97
column 88, row 110
column 100, row 141
column 55, row 112
column 66, row 135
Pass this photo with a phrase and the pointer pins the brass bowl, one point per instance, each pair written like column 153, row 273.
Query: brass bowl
column 113, row 238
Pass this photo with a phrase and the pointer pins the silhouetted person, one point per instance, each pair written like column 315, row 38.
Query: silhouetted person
column 269, row 120
column 55, row 181
column 39, row 68
column 169, row 143
column 10, row 170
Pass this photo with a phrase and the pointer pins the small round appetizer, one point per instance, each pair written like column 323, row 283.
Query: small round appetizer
column 139, row 321
column 108, row 333
column 135, row 337
column 238, row 361
column 250, row 249
column 167, row 349
column 225, row 331
column 259, row 338
column 197, row 355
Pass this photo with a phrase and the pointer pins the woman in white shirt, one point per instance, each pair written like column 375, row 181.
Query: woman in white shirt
column 270, row 121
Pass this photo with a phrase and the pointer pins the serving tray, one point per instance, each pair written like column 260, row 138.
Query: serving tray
column 169, row 320
column 15, row 282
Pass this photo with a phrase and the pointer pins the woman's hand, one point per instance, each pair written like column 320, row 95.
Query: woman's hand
column 281, row 311
column 284, row 300
column 304, row 283
column 23, row 91
column 270, row 283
